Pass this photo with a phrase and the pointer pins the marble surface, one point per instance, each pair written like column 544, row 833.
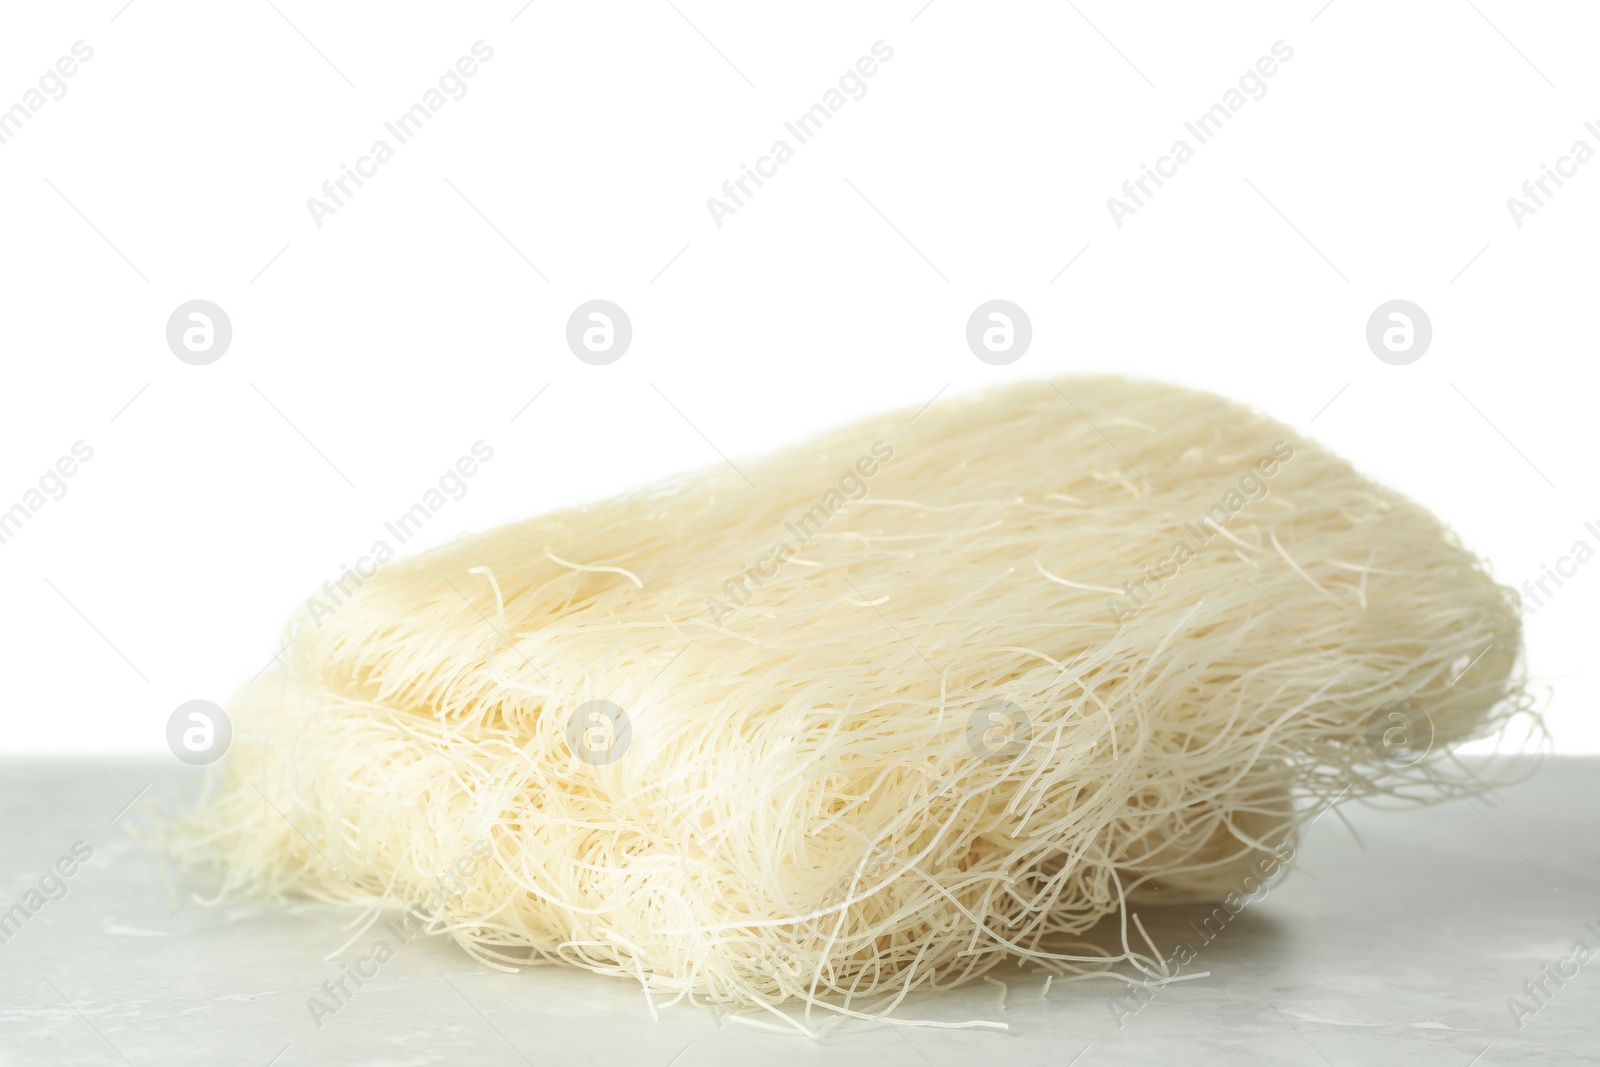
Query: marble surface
column 1402, row 946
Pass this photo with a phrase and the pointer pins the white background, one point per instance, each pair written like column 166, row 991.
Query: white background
column 426, row 313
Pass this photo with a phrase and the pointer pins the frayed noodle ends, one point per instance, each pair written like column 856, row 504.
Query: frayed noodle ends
column 944, row 688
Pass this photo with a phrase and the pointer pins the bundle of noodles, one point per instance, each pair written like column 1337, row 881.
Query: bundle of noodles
column 932, row 691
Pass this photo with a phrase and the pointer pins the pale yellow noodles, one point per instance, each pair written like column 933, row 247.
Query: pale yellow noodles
column 927, row 741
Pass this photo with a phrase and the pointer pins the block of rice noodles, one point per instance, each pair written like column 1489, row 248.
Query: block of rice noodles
column 874, row 714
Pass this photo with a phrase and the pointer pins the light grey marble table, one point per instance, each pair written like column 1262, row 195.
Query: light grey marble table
column 1407, row 950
